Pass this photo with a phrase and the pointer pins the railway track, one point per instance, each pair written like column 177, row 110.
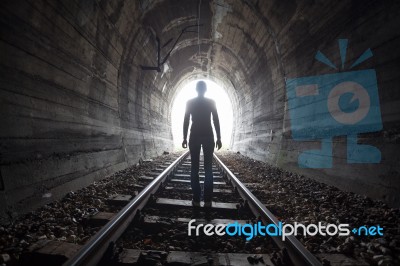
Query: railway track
column 153, row 227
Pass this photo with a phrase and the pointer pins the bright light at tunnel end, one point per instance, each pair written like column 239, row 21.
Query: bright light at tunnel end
column 224, row 108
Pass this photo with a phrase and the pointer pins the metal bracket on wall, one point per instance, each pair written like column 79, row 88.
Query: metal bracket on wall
column 160, row 62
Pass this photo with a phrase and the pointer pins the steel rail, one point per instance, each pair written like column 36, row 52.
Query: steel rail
column 92, row 252
column 300, row 255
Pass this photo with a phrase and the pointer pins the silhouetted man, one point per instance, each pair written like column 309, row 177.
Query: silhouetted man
column 201, row 135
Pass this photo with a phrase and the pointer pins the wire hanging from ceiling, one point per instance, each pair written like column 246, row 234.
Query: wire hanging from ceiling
column 198, row 30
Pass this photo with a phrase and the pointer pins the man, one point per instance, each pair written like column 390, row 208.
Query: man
column 201, row 135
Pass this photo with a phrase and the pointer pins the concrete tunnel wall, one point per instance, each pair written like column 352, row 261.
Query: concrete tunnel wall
column 76, row 106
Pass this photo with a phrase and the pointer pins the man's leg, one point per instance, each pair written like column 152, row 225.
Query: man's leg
column 194, row 147
column 208, row 150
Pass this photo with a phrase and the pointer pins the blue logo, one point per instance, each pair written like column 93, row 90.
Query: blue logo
column 324, row 106
column 368, row 231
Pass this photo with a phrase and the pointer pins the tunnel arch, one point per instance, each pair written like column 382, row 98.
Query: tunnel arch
column 224, row 107
column 231, row 93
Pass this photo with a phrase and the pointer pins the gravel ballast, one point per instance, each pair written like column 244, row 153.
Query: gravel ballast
column 291, row 197
column 64, row 219
column 295, row 198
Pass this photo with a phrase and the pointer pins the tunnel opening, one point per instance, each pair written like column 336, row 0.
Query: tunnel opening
column 77, row 105
column 215, row 92
column 93, row 96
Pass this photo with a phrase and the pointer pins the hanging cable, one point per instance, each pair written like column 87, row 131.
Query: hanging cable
column 198, row 28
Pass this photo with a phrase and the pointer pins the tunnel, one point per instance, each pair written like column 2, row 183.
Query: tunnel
column 87, row 87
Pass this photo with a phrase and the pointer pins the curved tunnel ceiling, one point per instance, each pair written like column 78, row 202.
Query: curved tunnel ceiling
column 251, row 47
column 233, row 42
column 75, row 92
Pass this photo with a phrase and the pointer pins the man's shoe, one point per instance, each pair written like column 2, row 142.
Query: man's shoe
column 195, row 203
column 207, row 204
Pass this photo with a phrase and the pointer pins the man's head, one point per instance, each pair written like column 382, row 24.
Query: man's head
column 201, row 88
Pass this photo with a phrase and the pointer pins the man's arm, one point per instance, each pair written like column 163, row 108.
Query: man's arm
column 216, row 121
column 216, row 125
column 186, row 125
